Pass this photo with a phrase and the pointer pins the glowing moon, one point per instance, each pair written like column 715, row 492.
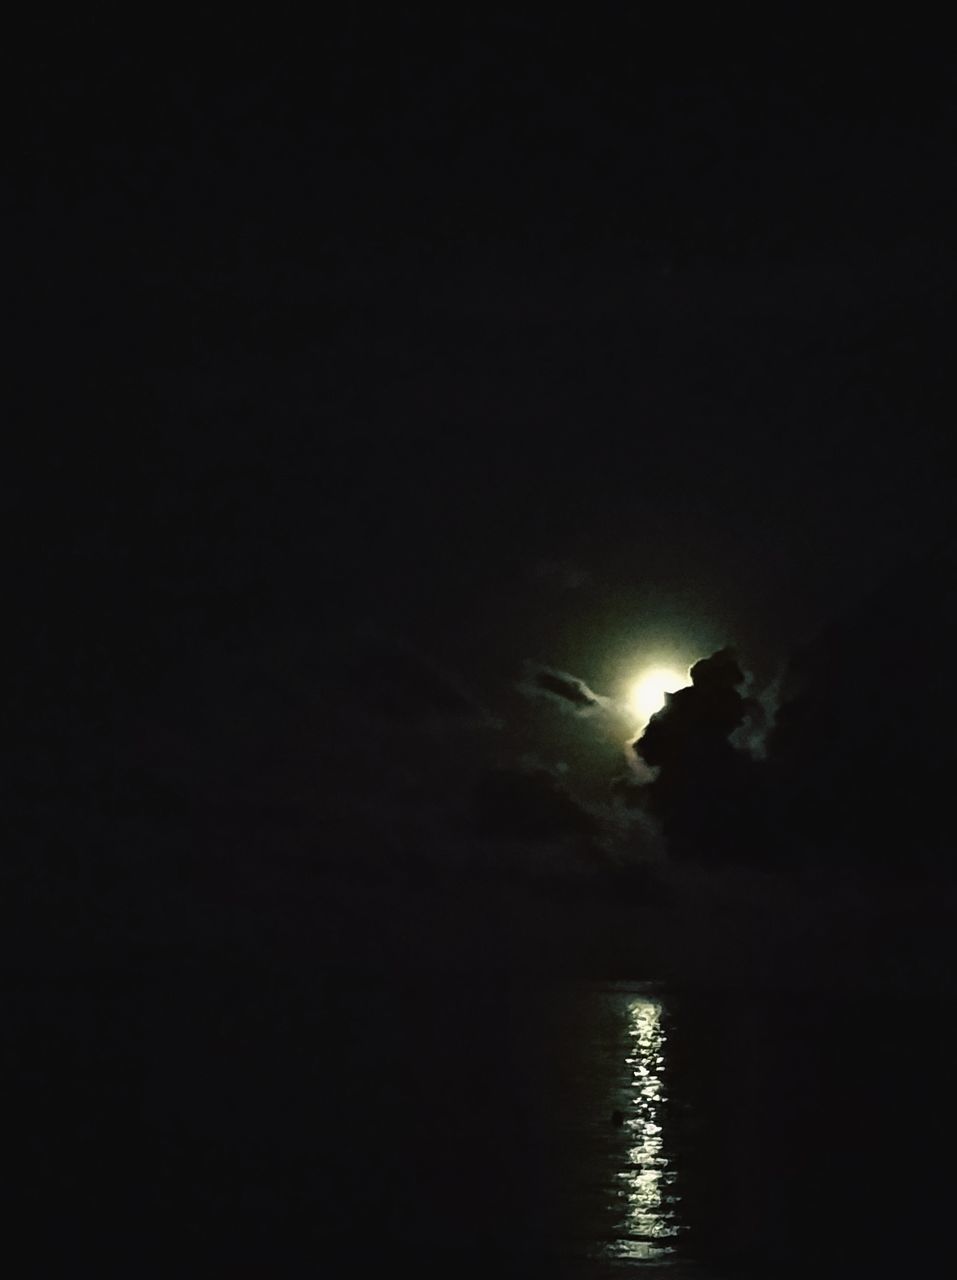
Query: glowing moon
column 648, row 692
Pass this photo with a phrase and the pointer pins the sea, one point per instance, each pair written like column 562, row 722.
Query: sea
column 222, row 1119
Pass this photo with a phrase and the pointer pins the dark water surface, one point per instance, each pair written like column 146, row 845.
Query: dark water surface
column 288, row 1125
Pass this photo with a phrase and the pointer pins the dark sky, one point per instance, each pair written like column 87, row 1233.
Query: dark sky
column 383, row 395
column 499, row 340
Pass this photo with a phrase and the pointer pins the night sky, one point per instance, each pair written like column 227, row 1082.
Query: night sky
column 386, row 394
column 369, row 377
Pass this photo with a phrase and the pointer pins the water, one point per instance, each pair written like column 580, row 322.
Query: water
column 644, row 1196
column 732, row 1132
column 305, row 1126
column 621, row 1191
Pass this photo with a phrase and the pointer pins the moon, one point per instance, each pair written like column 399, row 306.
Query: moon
column 647, row 694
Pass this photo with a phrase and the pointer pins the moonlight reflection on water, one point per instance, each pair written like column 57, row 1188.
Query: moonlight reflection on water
column 645, row 1184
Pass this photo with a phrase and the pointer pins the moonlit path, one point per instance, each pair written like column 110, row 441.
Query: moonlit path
column 645, row 1185
column 623, row 1191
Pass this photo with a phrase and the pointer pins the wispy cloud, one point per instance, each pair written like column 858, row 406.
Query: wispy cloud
column 562, row 688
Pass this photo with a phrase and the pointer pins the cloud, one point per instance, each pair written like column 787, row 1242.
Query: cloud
column 559, row 574
column 561, row 687
column 698, row 720
column 527, row 805
column 754, row 732
column 704, row 791
column 402, row 687
column 861, row 752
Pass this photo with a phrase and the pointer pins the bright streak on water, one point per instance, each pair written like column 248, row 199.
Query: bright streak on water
column 622, row 1137
column 647, row 1227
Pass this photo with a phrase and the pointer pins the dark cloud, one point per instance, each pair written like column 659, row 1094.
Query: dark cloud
column 704, row 791
column 629, row 792
column 753, row 734
column 562, row 575
column 562, row 687
column 698, row 720
column 404, row 687
column 843, row 761
column 529, row 806
column 861, row 755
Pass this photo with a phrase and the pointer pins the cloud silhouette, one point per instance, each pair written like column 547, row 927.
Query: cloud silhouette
column 698, row 720
column 403, row 687
column 561, row 687
column 861, row 753
column 527, row 805
column 705, row 792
